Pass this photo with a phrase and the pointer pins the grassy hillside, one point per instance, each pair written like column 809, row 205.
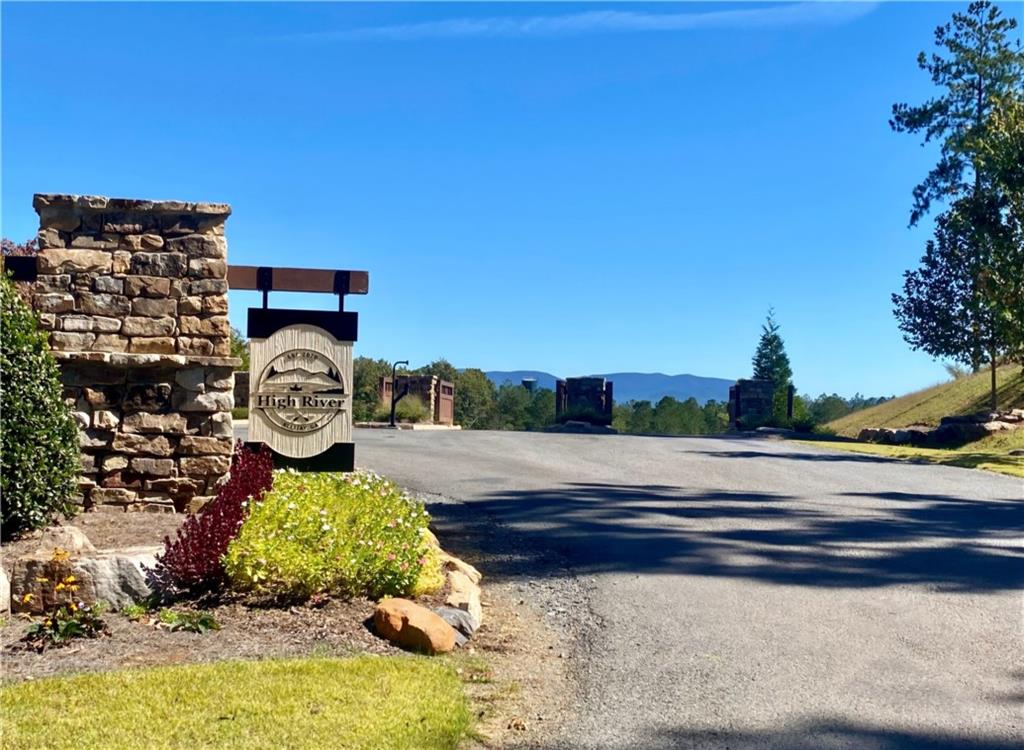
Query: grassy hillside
column 927, row 407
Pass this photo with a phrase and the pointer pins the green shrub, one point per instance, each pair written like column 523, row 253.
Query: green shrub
column 134, row 611
column 39, row 456
column 348, row 534
column 409, row 409
column 190, row 622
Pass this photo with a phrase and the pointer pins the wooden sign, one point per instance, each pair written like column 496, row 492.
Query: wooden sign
column 300, row 399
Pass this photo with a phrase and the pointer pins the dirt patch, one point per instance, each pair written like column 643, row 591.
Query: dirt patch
column 521, row 689
column 105, row 530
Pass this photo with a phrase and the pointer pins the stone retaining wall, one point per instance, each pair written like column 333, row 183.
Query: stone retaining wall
column 134, row 294
column 952, row 430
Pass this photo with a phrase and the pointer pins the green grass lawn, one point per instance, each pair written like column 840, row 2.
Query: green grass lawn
column 963, row 396
column 991, row 453
column 359, row 702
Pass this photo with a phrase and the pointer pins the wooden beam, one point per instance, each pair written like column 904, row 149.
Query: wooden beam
column 300, row 280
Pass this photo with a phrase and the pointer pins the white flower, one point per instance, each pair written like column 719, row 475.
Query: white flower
column 326, row 527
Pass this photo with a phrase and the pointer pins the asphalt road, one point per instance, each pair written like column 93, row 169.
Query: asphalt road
column 755, row 593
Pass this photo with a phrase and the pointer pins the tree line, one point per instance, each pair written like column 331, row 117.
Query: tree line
column 482, row 405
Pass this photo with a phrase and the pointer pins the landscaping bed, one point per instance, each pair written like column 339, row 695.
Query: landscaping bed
column 273, row 602
column 335, row 629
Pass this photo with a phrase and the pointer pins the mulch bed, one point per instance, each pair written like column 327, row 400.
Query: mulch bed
column 247, row 631
column 335, row 629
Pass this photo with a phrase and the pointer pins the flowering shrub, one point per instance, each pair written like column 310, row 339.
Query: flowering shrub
column 193, row 560
column 348, row 534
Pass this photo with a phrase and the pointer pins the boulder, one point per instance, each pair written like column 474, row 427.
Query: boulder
column 117, row 577
column 68, row 538
column 465, row 595
column 409, row 625
column 460, row 619
column 450, row 562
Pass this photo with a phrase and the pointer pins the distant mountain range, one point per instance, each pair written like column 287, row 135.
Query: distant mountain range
column 635, row 386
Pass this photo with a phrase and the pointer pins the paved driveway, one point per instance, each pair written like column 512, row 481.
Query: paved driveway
column 757, row 593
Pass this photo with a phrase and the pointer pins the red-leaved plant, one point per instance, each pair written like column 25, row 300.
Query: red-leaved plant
column 192, row 562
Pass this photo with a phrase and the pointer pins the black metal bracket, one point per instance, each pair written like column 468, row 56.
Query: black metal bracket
column 265, row 282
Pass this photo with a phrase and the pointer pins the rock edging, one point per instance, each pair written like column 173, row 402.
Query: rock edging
column 951, row 430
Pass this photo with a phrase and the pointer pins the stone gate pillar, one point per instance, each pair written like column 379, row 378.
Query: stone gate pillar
column 134, row 294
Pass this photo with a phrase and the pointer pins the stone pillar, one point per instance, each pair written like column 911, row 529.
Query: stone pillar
column 134, row 294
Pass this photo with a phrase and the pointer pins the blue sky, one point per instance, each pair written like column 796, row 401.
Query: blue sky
column 567, row 187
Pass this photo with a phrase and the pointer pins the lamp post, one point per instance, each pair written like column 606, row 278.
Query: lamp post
column 395, row 398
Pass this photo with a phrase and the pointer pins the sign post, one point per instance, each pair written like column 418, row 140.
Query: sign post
column 300, row 398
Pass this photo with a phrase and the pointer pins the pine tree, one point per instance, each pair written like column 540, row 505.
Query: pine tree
column 966, row 301
column 770, row 359
column 979, row 67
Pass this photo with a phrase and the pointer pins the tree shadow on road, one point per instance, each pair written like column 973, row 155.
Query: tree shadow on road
column 837, row 457
column 823, row 734
column 948, row 543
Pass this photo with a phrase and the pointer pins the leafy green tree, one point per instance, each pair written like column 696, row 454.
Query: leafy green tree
column 620, row 416
column 825, row 408
column 513, row 405
column 475, row 400
column 442, row 368
column 977, row 67
column 716, row 417
column 946, row 308
column 674, row 417
column 366, row 374
column 240, row 348
column 641, row 421
column 541, row 412
column 668, row 416
column 1002, row 155
column 39, row 453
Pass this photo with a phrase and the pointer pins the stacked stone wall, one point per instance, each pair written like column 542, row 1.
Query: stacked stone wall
column 134, row 295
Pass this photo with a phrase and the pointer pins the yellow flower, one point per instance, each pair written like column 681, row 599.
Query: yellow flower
column 60, row 554
column 27, row 598
column 40, row 579
column 70, row 579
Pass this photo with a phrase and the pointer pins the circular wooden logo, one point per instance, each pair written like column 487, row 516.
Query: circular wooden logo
column 300, row 391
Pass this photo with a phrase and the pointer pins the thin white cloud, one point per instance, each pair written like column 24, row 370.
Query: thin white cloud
column 611, row 22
